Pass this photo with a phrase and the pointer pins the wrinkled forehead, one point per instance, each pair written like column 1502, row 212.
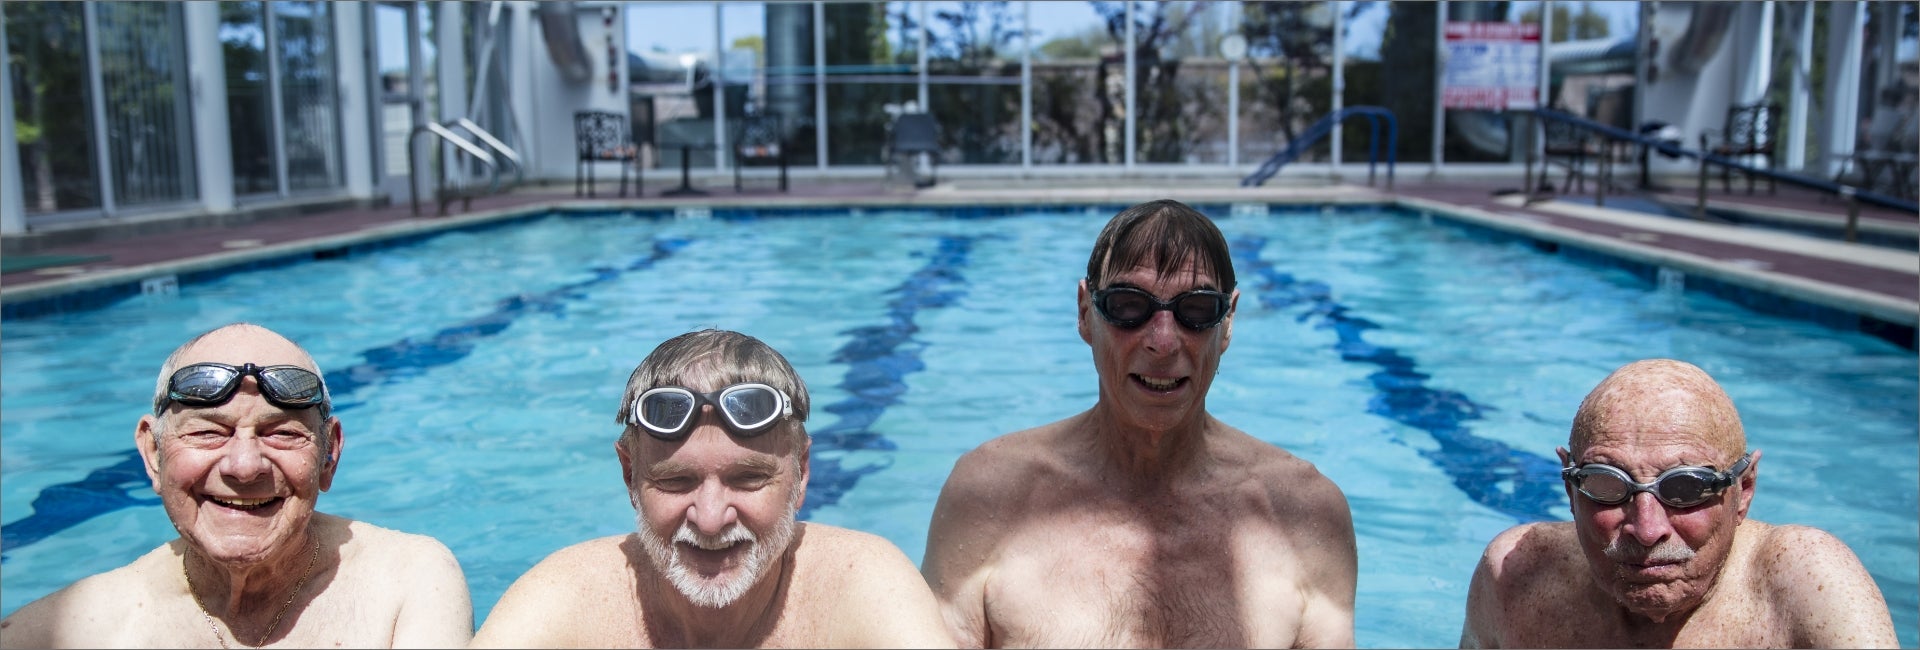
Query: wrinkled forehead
column 240, row 346
column 1191, row 273
column 1659, row 411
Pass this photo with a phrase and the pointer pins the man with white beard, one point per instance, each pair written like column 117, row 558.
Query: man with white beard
column 1660, row 552
column 714, row 456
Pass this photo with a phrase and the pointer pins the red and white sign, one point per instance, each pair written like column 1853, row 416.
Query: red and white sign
column 1492, row 66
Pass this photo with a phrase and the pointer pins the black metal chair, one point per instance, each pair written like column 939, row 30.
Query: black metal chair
column 1750, row 131
column 601, row 136
column 758, row 139
column 912, row 134
column 1573, row 146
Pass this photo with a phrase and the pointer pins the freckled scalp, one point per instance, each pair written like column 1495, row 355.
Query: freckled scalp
column 1659, row 395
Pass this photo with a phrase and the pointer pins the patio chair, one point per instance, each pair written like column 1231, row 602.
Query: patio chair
column 1750, row 131
column 910, row 135
column 758, row 139
column 1572, row 145
column 1885, row 159
column 601, row 136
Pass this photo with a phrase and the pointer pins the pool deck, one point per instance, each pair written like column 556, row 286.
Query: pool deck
column 1880, row 282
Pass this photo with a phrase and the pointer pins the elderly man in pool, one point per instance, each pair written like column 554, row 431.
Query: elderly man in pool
column 1660, row 552
column 714, row 456
column 239, row 447
column 1145, row 521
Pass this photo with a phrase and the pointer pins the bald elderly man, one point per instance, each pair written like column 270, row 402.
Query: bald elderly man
column 1660, row 552
column 240, row 444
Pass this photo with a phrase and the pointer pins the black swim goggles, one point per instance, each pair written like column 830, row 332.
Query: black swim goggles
column 1130, row 307
column 749, row 410
column 1681, row 487
column 213, row 384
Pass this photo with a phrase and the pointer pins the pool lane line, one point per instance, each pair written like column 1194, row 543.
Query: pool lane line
column 62, row 506
column 878, row 358
column 1520, row 484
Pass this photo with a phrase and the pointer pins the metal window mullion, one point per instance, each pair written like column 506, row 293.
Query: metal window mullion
column 1339, row 83
column 275, row 101
column 1439, row 82
column 185, row 146
column 90, row 23
column 1233, row 92
column 1127, row 131
column 1026, row 85
column 820, row 83
column 921, row 36
column 721, row 161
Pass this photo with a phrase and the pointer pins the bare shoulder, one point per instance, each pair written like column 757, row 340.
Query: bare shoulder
column 87, row 612
column 571, row 592
column 386, row 547
column 1528, row 552
column 868, row 588
column 992, row 482
column 1293, row 485
column 1817, row 585
column 839, row 561
column 1519, row 582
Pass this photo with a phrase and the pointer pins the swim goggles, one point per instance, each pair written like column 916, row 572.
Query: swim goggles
column 1129, row 307
column 213, row 384
column 1680, row 487
column 748, row 409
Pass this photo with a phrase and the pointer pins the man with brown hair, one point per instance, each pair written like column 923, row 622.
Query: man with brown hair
column 1145, row 521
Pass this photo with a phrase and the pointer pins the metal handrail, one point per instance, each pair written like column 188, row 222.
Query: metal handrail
column 413, row 166
column 1320, row 129
column 506, row 152
column 1673, row 150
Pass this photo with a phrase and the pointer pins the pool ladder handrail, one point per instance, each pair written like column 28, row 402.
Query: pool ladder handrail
column 1299, row 145
column 467, row 147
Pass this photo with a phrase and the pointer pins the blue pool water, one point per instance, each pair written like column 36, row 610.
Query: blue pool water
column 1429, row 370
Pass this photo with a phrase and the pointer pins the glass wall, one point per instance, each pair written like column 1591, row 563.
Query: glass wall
column 1389, row 62
column 243, row 46
column 309, row 105
column 1180, row 81
column 973, row 79
column 144, row 86
column 670, row 80
column 872, row 72
column 1286, row 83
column 1079, row 88
column 47, row 65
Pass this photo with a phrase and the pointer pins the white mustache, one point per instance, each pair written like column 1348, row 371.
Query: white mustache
column 1627, row 551
column 727, row 537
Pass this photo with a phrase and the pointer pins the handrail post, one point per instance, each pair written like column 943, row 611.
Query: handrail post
column 1853, row 213
column 1526, row 182
column 1700, row 194
column 1373, row 145
column 1600, row 183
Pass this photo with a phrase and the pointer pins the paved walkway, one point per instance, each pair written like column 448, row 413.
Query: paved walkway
column 1880, row 282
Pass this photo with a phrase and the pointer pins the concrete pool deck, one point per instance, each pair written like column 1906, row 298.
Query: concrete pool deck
column 1877, row 282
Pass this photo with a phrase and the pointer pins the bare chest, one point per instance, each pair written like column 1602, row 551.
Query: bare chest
column 1729, row 623
column 1117, row 578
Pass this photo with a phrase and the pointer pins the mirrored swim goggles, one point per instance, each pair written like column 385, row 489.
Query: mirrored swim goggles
column 749, row 410
column 1681, row 487
column 213, row 384
column 1129, row 307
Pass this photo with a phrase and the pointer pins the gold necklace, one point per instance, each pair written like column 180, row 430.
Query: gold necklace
column 312, row 558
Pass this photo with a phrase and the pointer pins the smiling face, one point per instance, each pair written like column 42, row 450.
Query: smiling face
column 715, row 510
column 1156, row 376
column 240, row 480
column 1649, row 417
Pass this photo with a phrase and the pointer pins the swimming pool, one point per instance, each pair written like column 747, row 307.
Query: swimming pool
column 1428, row 369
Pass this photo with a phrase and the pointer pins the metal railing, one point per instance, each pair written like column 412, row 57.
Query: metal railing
column 463, row 146
column 1374, row 114
column 1852, row 195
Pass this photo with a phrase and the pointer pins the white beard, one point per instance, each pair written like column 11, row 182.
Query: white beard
column 717, row 593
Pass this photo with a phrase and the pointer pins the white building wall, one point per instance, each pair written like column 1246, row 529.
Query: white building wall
column 354, row 87
column 207, row 94
column 554, row 99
